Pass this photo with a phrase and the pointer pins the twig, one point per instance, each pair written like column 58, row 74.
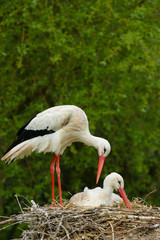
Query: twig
column 112, row 230
column 146, row 218
column 150, row 194
column 59, row 225
column 9, row 225
column 19, row 204
column 66, row 231
column 7, row 221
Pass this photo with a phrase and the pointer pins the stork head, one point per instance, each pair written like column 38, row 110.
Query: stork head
column 115, row 181
column 104, row 149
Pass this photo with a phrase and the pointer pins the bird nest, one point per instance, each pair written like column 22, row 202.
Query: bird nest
column 69, row 222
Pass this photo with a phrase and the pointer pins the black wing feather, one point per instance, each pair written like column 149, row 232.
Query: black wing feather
column 24, row 135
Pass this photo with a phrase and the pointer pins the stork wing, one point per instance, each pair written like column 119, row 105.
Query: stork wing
column 51, row 119
column 46, row 122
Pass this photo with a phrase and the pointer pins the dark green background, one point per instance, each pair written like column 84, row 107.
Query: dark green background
column 103, row 56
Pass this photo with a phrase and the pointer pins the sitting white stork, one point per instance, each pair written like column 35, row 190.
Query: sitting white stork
column 52, row 131
column 102, row 196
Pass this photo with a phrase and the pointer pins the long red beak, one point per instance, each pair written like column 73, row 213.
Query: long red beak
column 124, row 196
column 100, row 166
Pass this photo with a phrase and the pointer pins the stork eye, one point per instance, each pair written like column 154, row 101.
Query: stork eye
column 119, row 183
column 104, row 150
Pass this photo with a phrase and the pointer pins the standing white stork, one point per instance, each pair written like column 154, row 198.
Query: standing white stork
column 102, row 196
column 52, row 131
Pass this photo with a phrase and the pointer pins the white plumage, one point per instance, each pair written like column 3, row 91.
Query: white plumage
column 102, row 196
column 52, row 131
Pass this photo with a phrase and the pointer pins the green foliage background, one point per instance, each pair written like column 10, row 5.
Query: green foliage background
column 102, row 56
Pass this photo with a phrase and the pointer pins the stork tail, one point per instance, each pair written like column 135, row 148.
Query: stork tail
column 19, row 151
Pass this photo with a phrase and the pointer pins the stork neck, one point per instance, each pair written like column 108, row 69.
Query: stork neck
column 108, row 192
column 90, row 140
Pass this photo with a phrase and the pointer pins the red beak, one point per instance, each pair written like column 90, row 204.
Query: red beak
column 100, row 166
column 124, row 196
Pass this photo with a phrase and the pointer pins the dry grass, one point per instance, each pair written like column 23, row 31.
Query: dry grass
column 69, row 222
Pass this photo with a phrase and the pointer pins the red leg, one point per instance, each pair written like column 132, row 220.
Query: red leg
column 58, row 170
column 52, row 169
